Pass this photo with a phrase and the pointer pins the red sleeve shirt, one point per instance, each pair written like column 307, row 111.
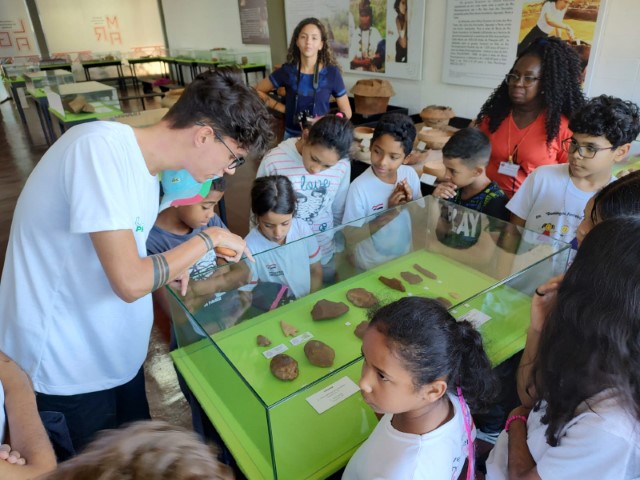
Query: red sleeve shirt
column 532, row 150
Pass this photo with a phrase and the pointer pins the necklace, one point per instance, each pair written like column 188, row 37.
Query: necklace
column 362, row 53
column 513, row 155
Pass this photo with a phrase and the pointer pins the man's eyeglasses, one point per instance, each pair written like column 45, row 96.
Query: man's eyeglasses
column 238, row 161
column 569, row 145
column 514, row 78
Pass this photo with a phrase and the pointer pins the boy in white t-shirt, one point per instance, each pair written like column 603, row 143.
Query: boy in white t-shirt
column 386, row 183
column 552, row 199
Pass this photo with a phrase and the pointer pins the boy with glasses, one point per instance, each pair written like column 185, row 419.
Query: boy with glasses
column 552, row 199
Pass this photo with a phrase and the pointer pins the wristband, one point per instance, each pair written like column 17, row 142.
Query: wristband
column 207, row 240
column 512, row 419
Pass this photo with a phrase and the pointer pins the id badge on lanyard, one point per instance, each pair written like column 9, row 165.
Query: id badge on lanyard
column 509, row 169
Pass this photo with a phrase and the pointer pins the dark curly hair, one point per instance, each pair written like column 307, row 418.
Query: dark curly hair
column 334, row 132
column 433, row 345
column 610, row 117
column 617, row 199
column 325, row 56
column 399, row 126
column 560, row 82
column 591, row 338
column 221, row 99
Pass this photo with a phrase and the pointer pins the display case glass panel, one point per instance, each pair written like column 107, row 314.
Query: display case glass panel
column 106, row 56
column 47, row 78
column 16, row 71
column 485, row 270
column 103, row 98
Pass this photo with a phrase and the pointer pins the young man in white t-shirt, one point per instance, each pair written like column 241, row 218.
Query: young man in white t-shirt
column 552, row 199
column 74, row 296
column 386, row 183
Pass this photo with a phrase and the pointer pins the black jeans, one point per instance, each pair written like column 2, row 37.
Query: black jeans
column 88, row 413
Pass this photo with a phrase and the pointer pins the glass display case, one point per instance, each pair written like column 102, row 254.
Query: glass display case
column 483, row 269
column 103, row 98
column 47, row 78
column 16, row 71
column 106, row 56
column 241, row 57
column 186, row 53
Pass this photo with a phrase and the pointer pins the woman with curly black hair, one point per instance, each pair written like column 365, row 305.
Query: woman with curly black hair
column 526, row 117
column 585, row 375
column 310, row 77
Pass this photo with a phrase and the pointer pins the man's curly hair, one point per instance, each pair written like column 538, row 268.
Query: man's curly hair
column 560, row 86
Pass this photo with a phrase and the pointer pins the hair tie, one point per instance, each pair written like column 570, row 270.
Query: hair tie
column 340, row 115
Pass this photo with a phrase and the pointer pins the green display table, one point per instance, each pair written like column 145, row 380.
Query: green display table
column 310, row 426
column 68, row 120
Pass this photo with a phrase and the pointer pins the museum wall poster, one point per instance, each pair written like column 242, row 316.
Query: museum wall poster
column 483, row 37
column 384, row 38
column 254, row 22
column 17, row 38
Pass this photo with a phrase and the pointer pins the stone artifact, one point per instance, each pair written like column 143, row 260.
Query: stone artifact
column 454, row 295
column 284, row 367
column 319, row 354
column 76, row 104
column 360, row 329
column 326, row 310
column 263, row 341
column 444, row 301
column 88, row 108
column 425, row 272
column 288, row 330
column 362, row 298
column 224, row 251
column 411, row 278
column 393, row 283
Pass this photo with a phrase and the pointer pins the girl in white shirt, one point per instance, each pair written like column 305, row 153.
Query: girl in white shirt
column 419, row 367
column 273, row 203
column 580, row 370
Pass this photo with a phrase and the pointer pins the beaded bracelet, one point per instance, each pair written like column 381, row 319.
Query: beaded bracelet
column 513, row 418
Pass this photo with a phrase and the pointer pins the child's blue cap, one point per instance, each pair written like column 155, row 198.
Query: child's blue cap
column 180, row 188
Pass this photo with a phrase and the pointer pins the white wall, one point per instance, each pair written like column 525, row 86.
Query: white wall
column 205, row 24
column 216, row 23
column 415, row 95
column 617, row 63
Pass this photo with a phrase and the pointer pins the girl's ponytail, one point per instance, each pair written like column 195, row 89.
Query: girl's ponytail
column 473, row 373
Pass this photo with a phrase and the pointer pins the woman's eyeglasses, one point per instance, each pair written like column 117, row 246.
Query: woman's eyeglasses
column 238, row 161
column 569, row 145
column 514, row 78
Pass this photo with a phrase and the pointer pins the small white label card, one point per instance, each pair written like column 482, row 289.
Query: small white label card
column 475, row 317
column 421, row 145
column 272, row 352
column 301, row 338
column 428, row 179
column 509, row 169
column 333, row 394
